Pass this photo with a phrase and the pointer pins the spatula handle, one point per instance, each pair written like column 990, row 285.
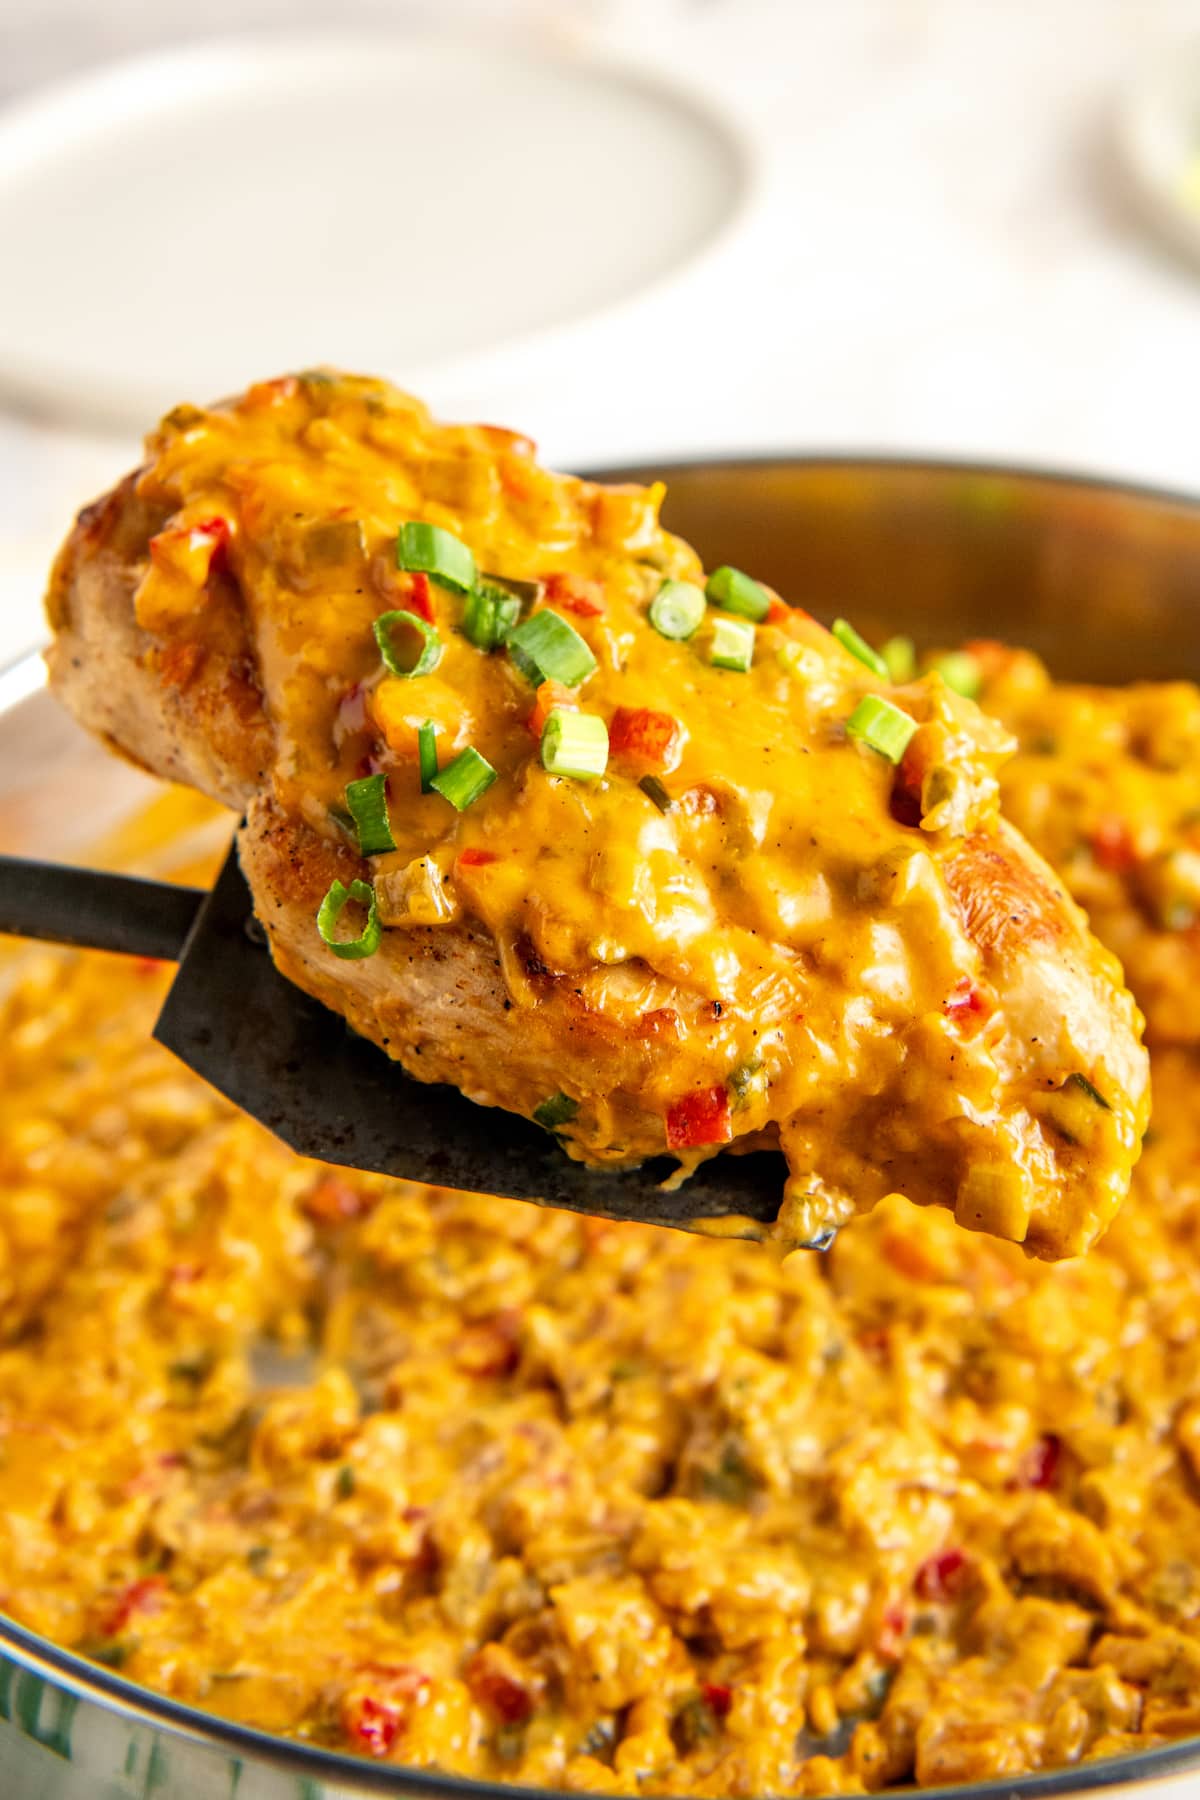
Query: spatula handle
column 95, row 910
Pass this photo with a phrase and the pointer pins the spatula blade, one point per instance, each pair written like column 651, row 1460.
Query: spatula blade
column 298, row 1069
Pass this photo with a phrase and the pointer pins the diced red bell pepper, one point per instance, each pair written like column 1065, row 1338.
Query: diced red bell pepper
column 374, row 1713
column 577, row 594
column 717, row 1697
column 966, row 1005
column 493, row 1679
column 779, row 612
column 905, row 805
column 143, row 1596
column 550, row 694
column 649, row 738
column 699, row 1118
column 1113, row 846
column 192, row 552
column 472, row 858
column 943, row 1576
column 375, row 1724
column 419, row 597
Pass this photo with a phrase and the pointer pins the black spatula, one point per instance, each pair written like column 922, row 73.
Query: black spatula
column 297, row 1068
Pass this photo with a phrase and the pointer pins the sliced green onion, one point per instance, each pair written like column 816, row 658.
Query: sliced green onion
column 961, row 671
column 367, row 801
column 654, row 790
column 407, row 644
column 858, row 646
column 427, row 755
column 560, row 1109
column 882, row 726
column 732, row 644
column 737, row 593
column 574, row 743
column 462, row 781
column 331, row 909
column 677, row 609
column 428, row 550
column 489, row 615
column 545, row 648
column 1093, row 1093
column 900, row 655
column 524, row 591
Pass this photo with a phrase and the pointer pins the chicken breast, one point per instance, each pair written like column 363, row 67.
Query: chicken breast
column 663, row 875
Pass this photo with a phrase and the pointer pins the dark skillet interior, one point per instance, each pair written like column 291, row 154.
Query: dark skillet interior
column 1103, row 582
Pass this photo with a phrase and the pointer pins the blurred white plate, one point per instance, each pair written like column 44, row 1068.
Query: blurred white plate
column 180, row 224
column 1158, row 140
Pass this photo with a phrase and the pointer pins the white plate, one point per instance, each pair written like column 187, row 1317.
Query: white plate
column 1158, row 141
column 180, row 224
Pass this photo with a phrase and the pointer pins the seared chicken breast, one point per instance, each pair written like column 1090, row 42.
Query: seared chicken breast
column 637, row 851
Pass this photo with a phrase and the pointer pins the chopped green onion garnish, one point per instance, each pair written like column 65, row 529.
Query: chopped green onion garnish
column 900, row 655
column 574, row 743
column 677, row 609
column 732, row 644
column 961, row 671
column 427, row 754
column 489, row 615
column 858, row 646
column 429, row 550
column 525, row 591
column 367, row 800
column 654, row 790
column 882, row 726
column 560, row 1109
column 407, row 644
column 1093, row 1093
column 331, row 909
column 737, row 593
column 465, row 779
column 545, row 648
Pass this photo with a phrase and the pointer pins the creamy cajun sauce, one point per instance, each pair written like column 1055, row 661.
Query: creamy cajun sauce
column 461, row 1483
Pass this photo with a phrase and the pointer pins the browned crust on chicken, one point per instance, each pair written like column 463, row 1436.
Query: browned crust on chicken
column 190, row 713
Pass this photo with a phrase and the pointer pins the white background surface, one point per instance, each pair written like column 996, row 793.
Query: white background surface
column 938, row 255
